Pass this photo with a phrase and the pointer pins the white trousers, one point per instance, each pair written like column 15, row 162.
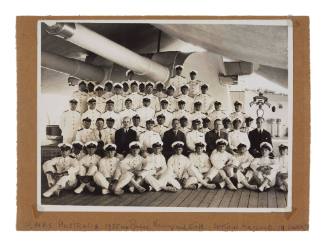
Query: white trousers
column 90, row 171
column 101, row 180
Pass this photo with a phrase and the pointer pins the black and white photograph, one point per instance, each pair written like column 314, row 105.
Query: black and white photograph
column 165, row 115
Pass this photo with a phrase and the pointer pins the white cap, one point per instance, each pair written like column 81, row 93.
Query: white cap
column 177, row 143
column 266, row 144
column 222, row 141
column 111, row 145
column 77, row 142
column 91, row 142
column 149, row 83
column 118, row 84
column 128, row 71
column 134, row 143
column 91, row 98
column 170, row 85
column 179, row 66
column 98, row 86
column 64, row 144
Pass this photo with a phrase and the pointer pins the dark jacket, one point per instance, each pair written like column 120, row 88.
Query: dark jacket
column 211, row 137
column 123, row 139
column 170, row 137
column 256, row 139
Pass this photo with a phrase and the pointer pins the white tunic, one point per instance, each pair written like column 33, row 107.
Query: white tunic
column 119, row 102
column 160, row 129
column 145, row 113
column 70, row 122
column 127, row 113
column 182, row 113
column 155, row 164
column 217, row 115
column 138, row 130
column 207, row 102
column 114, row 115
column 136, row 100
column 148, row 138
column 99, row 135
column 220, row 159
column 84, row 135
column 81, row 98
column 240, row 115
column 200, row 162
column 93, row 115
column 108, row 166
column 61, row 164
column 131, row 163
column 195, row 136
column 244, row 160
column 179, row 166
column 100, row 103
column 168, row 116
column 194, row 87
column 189, row 102
column 154, row 102
column 237, row 137
column 282, row 162
column 89, row 160
column 172, row 104
column 109, row 135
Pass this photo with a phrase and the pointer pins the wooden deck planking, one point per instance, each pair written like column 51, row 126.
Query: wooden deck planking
column 196, row 202
column 253, row 199
column 272, row 200
column 180, row 198
column 183, row 198
column 263, row 200
column 226, row 199
column 188, row 200
column 235, row 199
column 281, row 199
column 244, row 200
column 208, row 198
column 217, row 198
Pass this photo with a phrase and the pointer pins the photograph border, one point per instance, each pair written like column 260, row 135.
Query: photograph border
column 25, row 134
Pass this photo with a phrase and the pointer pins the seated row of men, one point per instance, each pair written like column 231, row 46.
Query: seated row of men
column 115, row 173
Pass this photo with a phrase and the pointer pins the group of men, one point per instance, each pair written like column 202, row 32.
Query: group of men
column 138, row 136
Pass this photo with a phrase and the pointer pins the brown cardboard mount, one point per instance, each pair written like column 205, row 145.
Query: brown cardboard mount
column 28, row 218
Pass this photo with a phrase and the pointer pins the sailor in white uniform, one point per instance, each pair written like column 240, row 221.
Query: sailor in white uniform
column 88, row 167
column 236, row 137
column 179, row 172
column 70, row 122
column 160, row 93
column 61, row 171
column 110, row 131
column 108, row 85
column 84, row 134
column 181, row 111
column 264, row 168
column 128, row 111
column 160, row 128
column 145, row 112
column 154, row 166
column 99, row 134
column 178, row 80
column 136, row 125
column 110, row 113
column 92, row 112
column 198, row 114
column 220, row 159
column 135, row 96
column 282, row 174
column 217, row 113
column 77, row 150
column 100, row 100
column 194, row 136
column 90, row 89
column 194, row 84
column 206, row 99
column 149, row 137
column 107, row 174
column 189, row 101
column 164, row 111
column 118, row 98
column 172, row 105
column 238, row 113
column 81, row 96
column 154, row 104
column 130, row 167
